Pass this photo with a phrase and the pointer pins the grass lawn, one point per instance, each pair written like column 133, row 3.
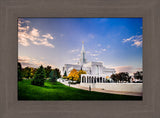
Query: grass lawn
column 58, row 91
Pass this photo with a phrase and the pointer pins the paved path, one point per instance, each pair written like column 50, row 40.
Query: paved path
column 101, row 90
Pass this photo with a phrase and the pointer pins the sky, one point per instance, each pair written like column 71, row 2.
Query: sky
column 117, row 42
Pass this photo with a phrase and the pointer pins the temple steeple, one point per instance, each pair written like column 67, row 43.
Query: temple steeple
column 82, row 59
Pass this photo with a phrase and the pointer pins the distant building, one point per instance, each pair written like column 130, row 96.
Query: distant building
column 92, row 68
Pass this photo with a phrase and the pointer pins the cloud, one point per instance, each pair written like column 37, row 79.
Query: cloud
column 26, row 37
column 91, row 36
column 75, row 59
column 96, row 51
column 74, row 50
column 88, row 52
column 135, row 40
column 34, row 32
column 48, row 36
column 31, row 62
column 94, row 55
column 96, row 58
column 99, row 45
column 129, row 69
column 103, row 50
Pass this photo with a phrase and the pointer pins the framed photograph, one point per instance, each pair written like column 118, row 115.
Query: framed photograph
column 85, row 59
column 80, row 58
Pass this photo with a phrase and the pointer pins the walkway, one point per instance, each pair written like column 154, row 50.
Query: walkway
column 101, row 90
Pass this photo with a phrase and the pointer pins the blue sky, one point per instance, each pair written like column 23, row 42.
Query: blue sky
column 117, row 42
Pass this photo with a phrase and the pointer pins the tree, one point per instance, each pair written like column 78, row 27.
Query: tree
column 79, row 74
column 19, row 72
column 123, row 76
column 39, row 77
column 27, row 72
column 65, row 75
column 73, row 75
column 58, row 73
column 138, row 75
column 54, row 75
column 114, row 77
column 48, row 70
column 32, row 72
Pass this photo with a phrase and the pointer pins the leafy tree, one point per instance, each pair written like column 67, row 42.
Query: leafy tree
column 48, row 70
column 73, row 75
column 27, row 72
column 39, row 77
column 19, row 72
column 33, row 70
column 138, row 75
column 114, row 77
column 123, row 76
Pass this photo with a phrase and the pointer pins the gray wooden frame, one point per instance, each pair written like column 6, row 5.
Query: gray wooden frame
column 10, row 107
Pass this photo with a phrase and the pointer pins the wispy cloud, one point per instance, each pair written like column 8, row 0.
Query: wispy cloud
column 94, row 55
column 74, row 50
column 88, row 52
column 48, row 36
column 130, row 69
column 28, row 35
column 104, row 50
column 135, row 40
column 96, row 58
column 75, row 59
column 97, row 51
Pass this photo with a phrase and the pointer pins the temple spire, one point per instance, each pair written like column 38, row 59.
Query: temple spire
column 82, row 59
column 82, row 47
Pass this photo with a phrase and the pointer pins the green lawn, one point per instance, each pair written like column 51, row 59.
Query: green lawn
column 58, row 91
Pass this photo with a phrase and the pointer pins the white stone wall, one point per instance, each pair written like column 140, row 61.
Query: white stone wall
column 126, row 87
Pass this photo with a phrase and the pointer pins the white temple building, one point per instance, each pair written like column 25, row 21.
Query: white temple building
column 92, row 68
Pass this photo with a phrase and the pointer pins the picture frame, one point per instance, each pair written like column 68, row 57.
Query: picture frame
column 10, row 107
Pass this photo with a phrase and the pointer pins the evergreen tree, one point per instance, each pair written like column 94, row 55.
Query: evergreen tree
column 48, row 70
column 39, row 77
column 54, row 75
column 19, row 72
column 57, row 73
column 65, row 73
